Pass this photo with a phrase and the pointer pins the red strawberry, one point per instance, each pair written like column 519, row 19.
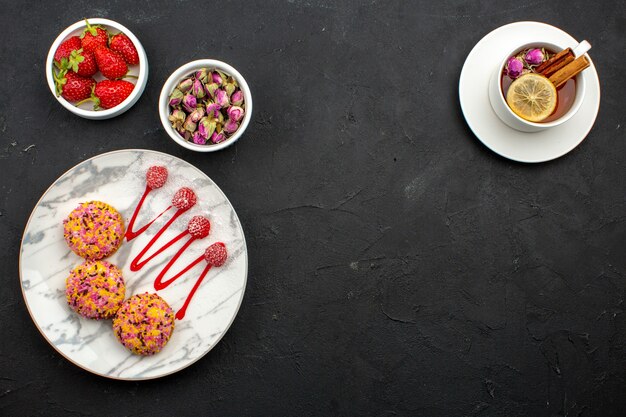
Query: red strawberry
column 108, row 94
column 110, row 63
column 199, row 227
column 122, row 44
column 184, row 199
column 82, row 63
column 75, row 87
column 156, row 177
column 65, row 49
column 93, row 37
column 216, row 254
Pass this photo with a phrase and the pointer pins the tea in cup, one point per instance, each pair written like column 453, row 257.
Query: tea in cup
column 539, row 85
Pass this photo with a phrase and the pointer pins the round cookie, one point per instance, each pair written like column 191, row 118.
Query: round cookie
column 95, row 289
column 94, row 230
column 144, row 324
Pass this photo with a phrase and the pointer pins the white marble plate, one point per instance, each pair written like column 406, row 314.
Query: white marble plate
column 492, row 132
column 118, row 178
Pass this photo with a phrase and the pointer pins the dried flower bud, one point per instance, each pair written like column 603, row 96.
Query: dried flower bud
column 223, row 76
column 231, row 126
column 211, row 88
column 237, row 98
column 514, row 67
column 220, row 118
column 184, row 133
column 198, row 138
column 202, row 75
column 217, row 78
column 176, row 97
column 218, row 137
column 197, row 114
column 534, row 57
column 235, row 113
column 221, row 98
column 190, row 125
column 198, row 89
column 230, row 89
column 185, row 85
column 177, row 117
column 213, row 109
column 206, row 127
column 189, row 103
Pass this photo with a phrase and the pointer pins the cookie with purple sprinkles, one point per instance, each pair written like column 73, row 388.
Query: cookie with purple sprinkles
column 144, row 324
column 95, row 289
column 94, row 230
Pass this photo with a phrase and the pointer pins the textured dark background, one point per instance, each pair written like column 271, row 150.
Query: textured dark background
column 397, row 266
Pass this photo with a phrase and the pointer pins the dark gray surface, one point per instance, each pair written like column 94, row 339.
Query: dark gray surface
column 397, row 266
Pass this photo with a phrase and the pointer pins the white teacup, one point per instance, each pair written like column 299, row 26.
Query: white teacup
column 502, row 109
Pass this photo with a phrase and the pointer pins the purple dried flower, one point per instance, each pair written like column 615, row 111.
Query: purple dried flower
column 235, row 113
column 230, row 89
column 176, row 97
column 177, row 117
column 206, row 127
column 197, row 114
column 198, row 89
column 221, row 98
column 534, row 57
column 184, row 133
column 190, row 125
column 211, row 88
column 198, row 139
column 216, row 77
column 514, row 67
column 202, row 75
column 189, row 103
column 218, row 137
column 185, row 85
column 237, row 98
column 231, row 126
column 213, row 109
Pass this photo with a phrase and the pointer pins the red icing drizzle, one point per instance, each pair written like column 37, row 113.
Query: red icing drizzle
column 138, row 263
column 130, row 233
column 180, row 314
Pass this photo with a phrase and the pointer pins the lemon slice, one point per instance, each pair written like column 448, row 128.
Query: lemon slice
column 532, row 97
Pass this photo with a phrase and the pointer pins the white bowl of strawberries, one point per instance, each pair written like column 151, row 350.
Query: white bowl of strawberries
column 97, row 69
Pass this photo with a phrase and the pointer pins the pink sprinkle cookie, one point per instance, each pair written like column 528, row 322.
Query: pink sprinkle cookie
column 95, row 289
column 94, row 230
column 144, row 324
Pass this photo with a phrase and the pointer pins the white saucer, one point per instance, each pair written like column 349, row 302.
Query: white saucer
column 497, row 136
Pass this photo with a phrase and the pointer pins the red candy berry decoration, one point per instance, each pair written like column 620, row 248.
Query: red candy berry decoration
column 184, row 199
column 199, row 227
column 156, row 177
column 216, row 254
column 122, row 44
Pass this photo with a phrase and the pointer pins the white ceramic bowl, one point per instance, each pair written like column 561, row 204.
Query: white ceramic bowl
column 184, row 72
column 140, row 71
column 504, row 112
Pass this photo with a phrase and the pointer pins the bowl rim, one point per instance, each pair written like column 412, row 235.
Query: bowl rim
column 184, row 71
column 580, row 89
column 139, row 85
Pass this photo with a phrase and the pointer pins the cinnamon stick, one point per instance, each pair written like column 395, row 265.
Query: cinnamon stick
column 568, row 71
column 555, row 63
